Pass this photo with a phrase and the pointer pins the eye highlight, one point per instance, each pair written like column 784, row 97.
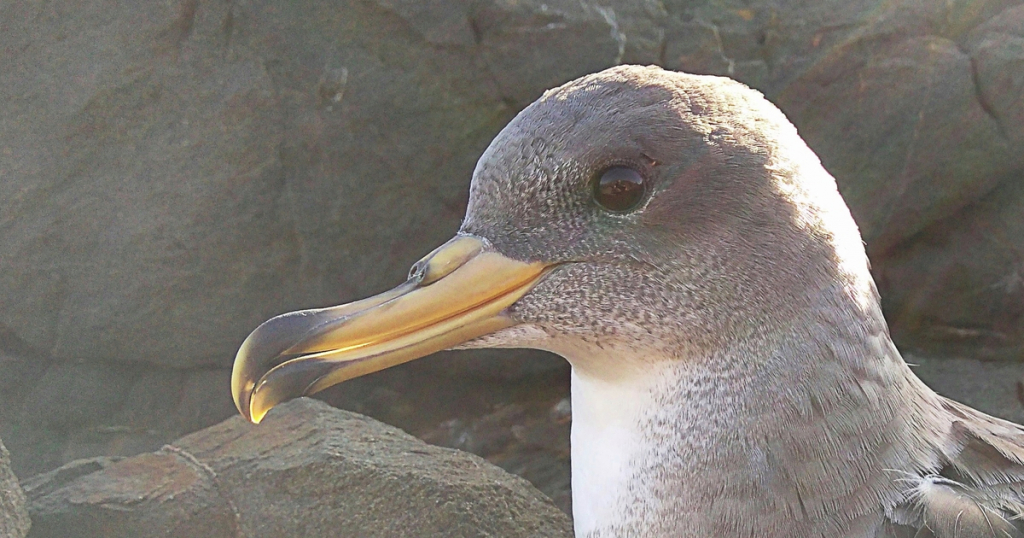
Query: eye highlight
column 619, row 188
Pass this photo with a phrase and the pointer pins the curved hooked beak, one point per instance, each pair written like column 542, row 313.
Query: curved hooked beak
column 456, row 293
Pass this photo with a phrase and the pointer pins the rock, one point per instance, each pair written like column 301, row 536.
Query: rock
column 529, row 47
column 14, row 521
column 528, row 439
column 307, row 470
column 997, row 50
column 65, row 411
column 154, row 133
column 46, row 483
column 116, row 409
column 960, row 285
column 899, row 123
column 989, row 386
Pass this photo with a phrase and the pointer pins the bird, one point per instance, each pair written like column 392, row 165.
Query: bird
column 732, row 375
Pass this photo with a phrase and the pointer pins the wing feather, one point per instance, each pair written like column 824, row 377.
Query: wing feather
column 979, row 490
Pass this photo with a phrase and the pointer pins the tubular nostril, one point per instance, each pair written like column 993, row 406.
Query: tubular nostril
column 444, row 259
column 417, row 270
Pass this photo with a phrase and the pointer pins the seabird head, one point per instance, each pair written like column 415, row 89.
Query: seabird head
column 635, row 208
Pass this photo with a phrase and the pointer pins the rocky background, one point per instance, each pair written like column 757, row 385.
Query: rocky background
column 14, row 519
column 172, row 173
column 308, row 470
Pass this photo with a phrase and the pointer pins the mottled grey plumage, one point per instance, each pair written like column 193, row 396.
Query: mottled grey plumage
column 733, row 373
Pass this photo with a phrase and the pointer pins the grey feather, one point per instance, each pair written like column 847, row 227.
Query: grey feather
column 979, row 489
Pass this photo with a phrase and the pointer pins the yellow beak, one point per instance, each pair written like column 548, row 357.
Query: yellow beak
column 454, row 294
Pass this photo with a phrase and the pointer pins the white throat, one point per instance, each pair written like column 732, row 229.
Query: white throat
column 618, row 398
column 606, row 440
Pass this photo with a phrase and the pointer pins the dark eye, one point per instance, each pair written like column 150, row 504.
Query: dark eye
column 619, row 188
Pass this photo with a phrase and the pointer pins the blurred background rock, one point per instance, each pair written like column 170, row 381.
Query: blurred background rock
column 172, row 173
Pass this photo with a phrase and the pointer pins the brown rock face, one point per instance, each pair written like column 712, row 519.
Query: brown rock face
column 14, row 522
column 307, row 470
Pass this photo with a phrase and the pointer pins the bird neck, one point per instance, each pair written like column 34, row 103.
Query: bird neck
column 609, row 421
column 788, row 423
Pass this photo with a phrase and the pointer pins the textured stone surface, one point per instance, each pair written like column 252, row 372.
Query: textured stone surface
column 76, row 410
column 994, row 387
column 962, row 282
column 14, row 521
column 900, row 121
column 307, row 470
column 530, row 439
column 145, row 407
column 997, row 50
